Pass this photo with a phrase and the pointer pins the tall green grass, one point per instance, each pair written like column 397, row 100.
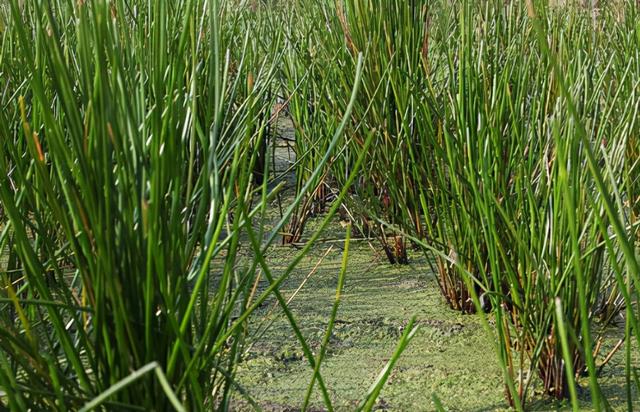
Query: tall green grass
column 135, row 201
column 304, row 87
column 499, row 138
column 393, row 36
column 528, row 226
column 128, row 187
column 506, row 143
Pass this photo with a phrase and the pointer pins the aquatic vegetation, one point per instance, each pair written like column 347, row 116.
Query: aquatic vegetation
column 128, row 136
column 499, row 139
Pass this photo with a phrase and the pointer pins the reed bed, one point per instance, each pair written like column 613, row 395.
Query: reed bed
column 499, row 139
column 505, row 148
column 133, row 138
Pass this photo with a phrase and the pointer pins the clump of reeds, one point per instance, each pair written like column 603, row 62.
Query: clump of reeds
column 129, row 133
column 522, row 218
column 304, row 85
column 128, row 155
column 394, row 41
column 518, row 152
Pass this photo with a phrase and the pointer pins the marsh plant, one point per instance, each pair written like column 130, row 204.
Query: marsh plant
column 128, row 134
column 395, row 42
column 127, row 151
column 522, row 213
column 519, row 139
column 304, row 88
column 499, row 138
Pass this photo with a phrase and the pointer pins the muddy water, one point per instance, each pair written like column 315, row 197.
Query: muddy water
column 378, row 301
column 450, row 357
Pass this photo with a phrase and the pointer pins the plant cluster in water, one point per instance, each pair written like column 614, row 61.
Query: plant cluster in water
column 498, row 138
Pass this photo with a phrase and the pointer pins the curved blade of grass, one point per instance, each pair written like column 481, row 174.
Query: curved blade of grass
column 562, row 331
column 134, row 376
column 370, row 398
column 332, row 318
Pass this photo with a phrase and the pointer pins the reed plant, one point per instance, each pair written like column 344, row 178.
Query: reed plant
column 518, row 133
column 127, row 179
column 519, row 227
column 128, row 133
column 393, row 35
column 529, row 212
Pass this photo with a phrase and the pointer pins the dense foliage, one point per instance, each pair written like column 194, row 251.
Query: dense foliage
column 499, row 138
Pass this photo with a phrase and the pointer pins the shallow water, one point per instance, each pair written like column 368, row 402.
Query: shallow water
column 450, row 357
